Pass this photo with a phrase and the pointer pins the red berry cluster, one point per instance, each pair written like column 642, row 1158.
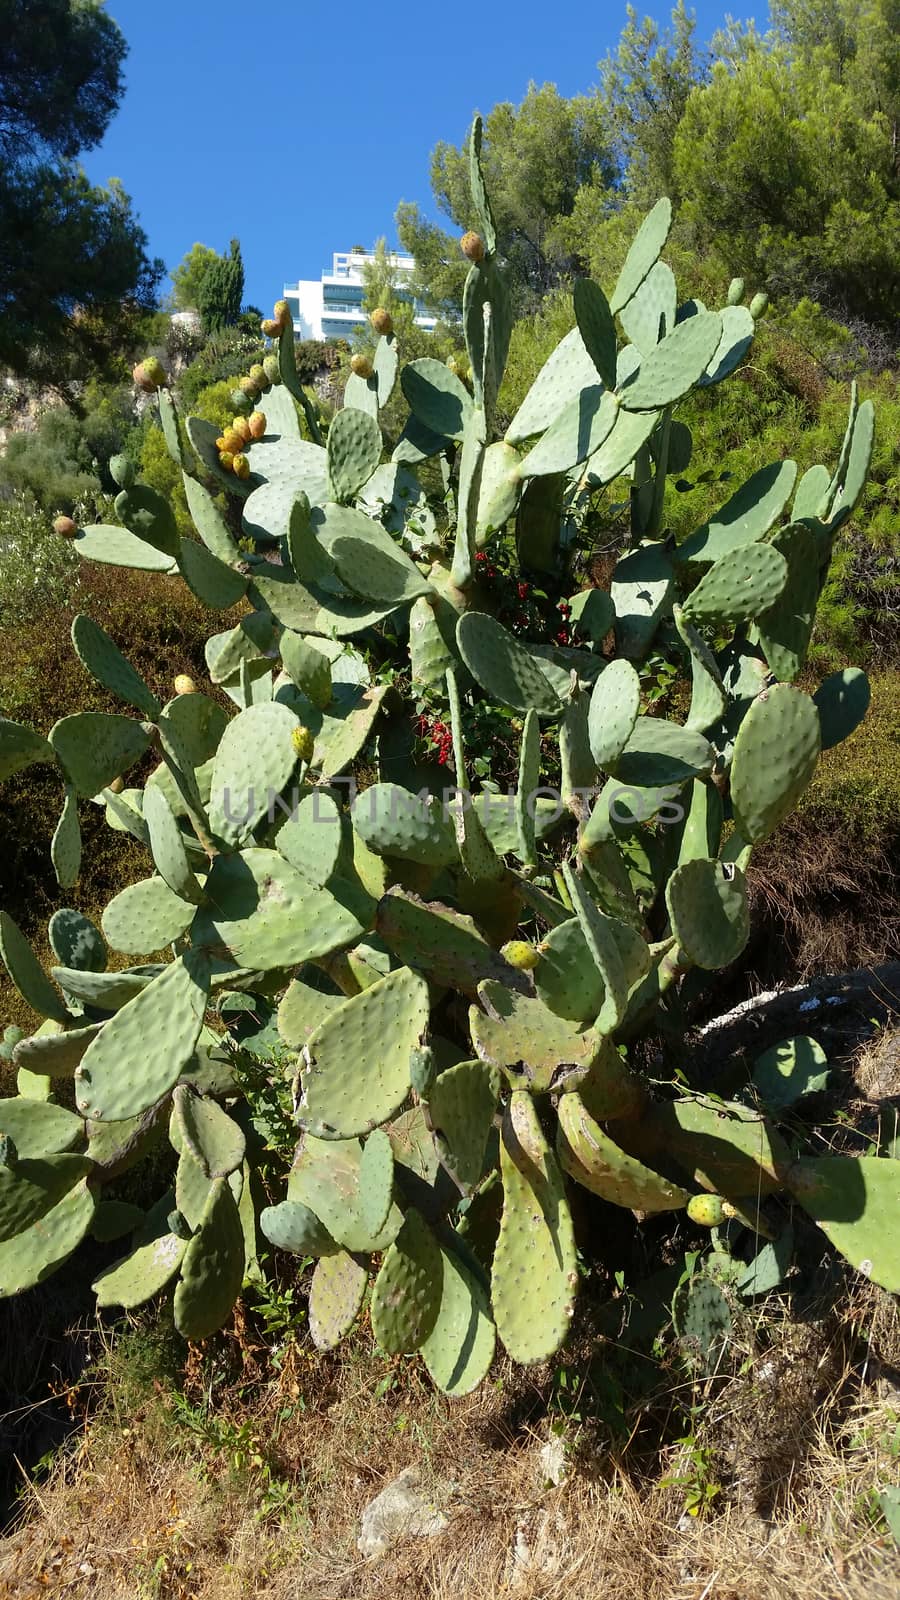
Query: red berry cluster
column 438, row 734
column 564, row 634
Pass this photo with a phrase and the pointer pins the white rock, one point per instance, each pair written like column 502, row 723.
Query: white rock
column 401, row 1511
column 553, row 1461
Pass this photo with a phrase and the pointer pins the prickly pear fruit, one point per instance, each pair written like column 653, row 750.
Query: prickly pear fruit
column 184, row 684
column 472, row 246
column 248, row 387
column 65, row 527
column 303, row 741
column 759, row 305
column 241, row 426
column 362, row 366
column 121, row 470
column 257, row 424
column 154, row 373
column 422, row 1070
column 231, row 440
column 240, row 466
column 226, row 460
column 178, row 1225
column 239, row 400
column 270, row 328
column 457, row 367
column 11, row 1037
column 707, row 1209
column 381, row 320
column 520, row 954
column 271, row 368
column 282, row 313
column 258, row 374
column 140, row 377
column 735, row 292
column 220, row 442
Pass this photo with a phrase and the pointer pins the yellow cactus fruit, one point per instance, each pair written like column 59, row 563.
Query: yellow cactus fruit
column 241, row 425
column 707, row 1209
column 240, row 466
column 220, row 442
column 303, row 741
column 271, row 369
column 472, row 246
column 232, row 441
column 65, row 527
column 362, row 366
column 520, row 954
column 226, row 459
column 258, row 374
column 381, row 320
column 270, row 328
column 184, row 684
column 282, row 314
column 257, row 424
column 154, row 372
column 249, row 388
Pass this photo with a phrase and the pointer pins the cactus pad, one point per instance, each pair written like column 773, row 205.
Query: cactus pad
column 460, row 1348
column 615, row 700
column 785, row 1073
column 738, row 586
column 144, row 917
column 442, row 943
column 105, row 662
column 747, row 516
column 140, row 1052
column 27, row 973
column 292, row 1226
column 212, row 1269
column 253, row 762
column 38, row 1128
column 775, row 756
column 335, row 1297
column 535, row 1276
column 641, row 587
column 842, row 701
column 325, row 1177
column 358, row 1059
column 406, row 1295
column 260, row 912
column 354, row 451
column 503, row 666
column 209, row 1133
column 854, row 1200
column 535, row 1048
column 708, row 910
column 394, row 822
column 376, row 1181
column 34, row 1253
column 562, row 377
column 595, row 1161
column 673, row 366
column 461, row 1105
column 154, row 1261
column 94, row 748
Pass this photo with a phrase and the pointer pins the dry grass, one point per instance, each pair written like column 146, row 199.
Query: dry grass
column 149, row 1508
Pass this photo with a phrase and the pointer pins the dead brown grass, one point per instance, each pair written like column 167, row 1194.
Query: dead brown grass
column 143, row 1509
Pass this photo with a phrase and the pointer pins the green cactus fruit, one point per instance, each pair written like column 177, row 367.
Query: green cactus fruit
column 534, row 1278
column 212, row 1269
column 521, row 955
column 271, row 369
column 759, row 305
column 735, row 292
column 422, row 1070
column 335, row 1297
column 706, row 1209
column 179, row 1226
column 258, row 374
column 406, row 1295
column 122, row 471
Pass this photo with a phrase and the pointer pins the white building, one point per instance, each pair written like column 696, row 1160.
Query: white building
column 330, row 307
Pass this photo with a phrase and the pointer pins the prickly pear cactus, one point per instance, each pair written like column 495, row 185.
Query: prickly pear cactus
column 456, row 977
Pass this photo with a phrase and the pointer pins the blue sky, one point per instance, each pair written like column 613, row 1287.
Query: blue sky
column 299, row 128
